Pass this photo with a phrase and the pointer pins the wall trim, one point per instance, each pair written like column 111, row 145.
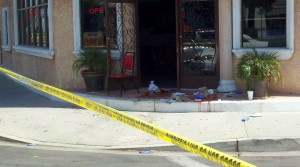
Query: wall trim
column 6, row 45
column 77, row 29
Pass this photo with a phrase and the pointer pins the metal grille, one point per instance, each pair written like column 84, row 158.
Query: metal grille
column 122, row 31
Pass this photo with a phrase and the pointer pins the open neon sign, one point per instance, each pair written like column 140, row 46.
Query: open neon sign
column 96, row 10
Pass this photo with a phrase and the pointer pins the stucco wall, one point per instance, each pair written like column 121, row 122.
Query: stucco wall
column 63, row 35
column 291, row 68
column 58, row 71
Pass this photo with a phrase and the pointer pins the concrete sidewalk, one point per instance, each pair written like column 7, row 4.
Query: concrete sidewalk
column 31, row 118
column 82, row 128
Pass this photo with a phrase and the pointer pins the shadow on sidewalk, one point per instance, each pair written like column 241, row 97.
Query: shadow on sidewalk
column 13, row 94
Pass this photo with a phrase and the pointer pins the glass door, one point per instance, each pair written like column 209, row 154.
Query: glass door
column 197, row 43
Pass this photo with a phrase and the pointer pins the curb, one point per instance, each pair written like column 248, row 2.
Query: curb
column 4, row 139
column 239, row 145
column 167, row 106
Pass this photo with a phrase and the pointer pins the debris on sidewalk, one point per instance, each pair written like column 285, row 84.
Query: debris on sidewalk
column 146, row 152
column 198, row 96
column 180, row 97
column 204, row 91
column 230, row 94
column 238, row 92
column 256, row 114
column 31, row 144
column 245, row 119
column 233, row 94
column 153, row 88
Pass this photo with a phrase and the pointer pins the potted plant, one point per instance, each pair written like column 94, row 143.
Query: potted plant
column 257, row 69
column 93, row 62
column 244, row 73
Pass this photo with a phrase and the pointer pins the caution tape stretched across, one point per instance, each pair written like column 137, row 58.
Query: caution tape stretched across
column 185, row 143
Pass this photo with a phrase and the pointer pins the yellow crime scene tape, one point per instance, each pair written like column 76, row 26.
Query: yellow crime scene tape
column 180, row 141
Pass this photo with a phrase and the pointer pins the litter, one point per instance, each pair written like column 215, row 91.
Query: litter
column 197, row 100
column 153, row 88
column 238, row 92
column 178, row 94
column 210, row 91
column 199, row 96
column 255, row 114
column 31, row 144
column 180, row 97
column 204, row 91
column 231, row 94
column 245, row 119
column 147, row 152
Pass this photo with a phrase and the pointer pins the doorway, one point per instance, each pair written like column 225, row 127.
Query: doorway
column 198, row 43
column 157, row 26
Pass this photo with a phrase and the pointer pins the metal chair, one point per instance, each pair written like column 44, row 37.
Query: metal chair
column 127, row 72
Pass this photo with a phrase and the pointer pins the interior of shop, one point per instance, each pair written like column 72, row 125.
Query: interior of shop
column 157, row 23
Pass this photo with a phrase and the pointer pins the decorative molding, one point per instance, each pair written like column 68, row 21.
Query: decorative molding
column 35, row 51
column 283, row 54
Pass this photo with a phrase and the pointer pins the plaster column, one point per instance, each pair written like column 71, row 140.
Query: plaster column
column 226, row 83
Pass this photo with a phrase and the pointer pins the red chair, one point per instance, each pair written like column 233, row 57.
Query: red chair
column 127, row 72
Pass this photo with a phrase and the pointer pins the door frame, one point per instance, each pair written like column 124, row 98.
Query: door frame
column 179, row 42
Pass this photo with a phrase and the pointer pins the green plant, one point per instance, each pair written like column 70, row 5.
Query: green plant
column 92, row 59
column 265, row 66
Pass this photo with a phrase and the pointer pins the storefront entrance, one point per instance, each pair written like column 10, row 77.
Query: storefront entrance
column 175, row 42
column 197, row 43
column 178, row 45
column 158, row 58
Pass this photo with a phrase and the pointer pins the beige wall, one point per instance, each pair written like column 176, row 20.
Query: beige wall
column 58, row 71
column 63, row 43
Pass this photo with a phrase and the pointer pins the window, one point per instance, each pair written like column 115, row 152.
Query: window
column 6, row 40
column 33, row 23
column 33, row 27
column 267, row 25
column 263, row 23
column 92, row 23
column 90, row 27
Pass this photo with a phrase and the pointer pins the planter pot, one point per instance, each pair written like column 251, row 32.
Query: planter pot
column 94, row 81
column 250, row 94
column 260, row 88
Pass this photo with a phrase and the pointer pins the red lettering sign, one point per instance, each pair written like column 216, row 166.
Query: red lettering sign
column 96, row 10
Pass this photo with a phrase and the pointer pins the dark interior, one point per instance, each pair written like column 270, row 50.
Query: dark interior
column 158, row 42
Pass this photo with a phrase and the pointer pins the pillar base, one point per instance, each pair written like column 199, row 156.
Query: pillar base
column 226, row 86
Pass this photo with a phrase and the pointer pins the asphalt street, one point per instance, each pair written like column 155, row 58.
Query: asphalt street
column 13, row 94
column 15, row 155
